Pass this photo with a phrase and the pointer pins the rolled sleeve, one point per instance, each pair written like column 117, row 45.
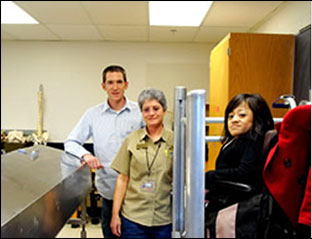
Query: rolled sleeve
column 121, row 163
column 81, row 133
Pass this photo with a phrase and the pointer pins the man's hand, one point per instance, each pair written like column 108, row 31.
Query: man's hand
column 92, row 161
column 115, row 225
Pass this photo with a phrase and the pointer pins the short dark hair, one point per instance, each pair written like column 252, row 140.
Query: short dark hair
column 114, row 68
column 262, row 117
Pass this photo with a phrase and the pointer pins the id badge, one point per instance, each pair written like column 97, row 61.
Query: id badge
column 148, row 186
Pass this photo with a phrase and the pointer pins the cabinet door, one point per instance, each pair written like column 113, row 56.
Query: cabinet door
column 248, row 63
column 218, row 92
column 263, row 64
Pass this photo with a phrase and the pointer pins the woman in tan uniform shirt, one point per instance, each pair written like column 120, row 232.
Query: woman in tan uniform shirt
column 144, row 183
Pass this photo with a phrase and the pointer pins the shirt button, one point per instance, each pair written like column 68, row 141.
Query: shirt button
column 287, row 163
column 302, row 180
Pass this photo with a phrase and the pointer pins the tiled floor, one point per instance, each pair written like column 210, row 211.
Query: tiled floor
column 92, row 231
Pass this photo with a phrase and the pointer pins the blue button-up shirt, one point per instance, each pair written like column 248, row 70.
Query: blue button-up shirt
column 108, row 129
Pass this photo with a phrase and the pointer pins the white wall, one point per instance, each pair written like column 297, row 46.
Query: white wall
column 71, row 75
column 71, row 72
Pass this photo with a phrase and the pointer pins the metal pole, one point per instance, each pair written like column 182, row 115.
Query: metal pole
column 215, row 120
column 277, row 120
column 195, row 163
column 213, row 138
column 83, row 233
column 211, row 120
column 178, row 163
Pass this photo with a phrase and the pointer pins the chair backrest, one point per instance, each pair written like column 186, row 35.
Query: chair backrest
column 270, row 139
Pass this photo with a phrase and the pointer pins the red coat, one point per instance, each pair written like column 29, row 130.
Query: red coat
column 286, row 170
column 305, row 210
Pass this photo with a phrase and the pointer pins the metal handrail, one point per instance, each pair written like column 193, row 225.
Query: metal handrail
column 189, row 162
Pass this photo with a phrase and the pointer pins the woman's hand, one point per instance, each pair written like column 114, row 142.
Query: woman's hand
column 206, row 200
column 115, row 225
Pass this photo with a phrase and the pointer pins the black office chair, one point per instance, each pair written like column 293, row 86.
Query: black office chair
column 225, row 193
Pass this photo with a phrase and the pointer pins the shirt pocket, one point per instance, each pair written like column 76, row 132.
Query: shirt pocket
column 138, row 166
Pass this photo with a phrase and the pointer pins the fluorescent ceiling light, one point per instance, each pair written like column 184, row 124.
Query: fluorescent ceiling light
column 13, row 14
column 177, row 13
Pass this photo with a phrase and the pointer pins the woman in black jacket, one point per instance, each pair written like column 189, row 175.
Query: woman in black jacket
column 247, row 119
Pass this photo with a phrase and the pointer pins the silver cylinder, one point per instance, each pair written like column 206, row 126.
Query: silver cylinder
column 213, row 138
column 277, row 120
column 214, row 120
column 210, row 120
column 195, row 163
column 178, row 163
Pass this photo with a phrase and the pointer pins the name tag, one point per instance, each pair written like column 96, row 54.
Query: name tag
column 148, row 186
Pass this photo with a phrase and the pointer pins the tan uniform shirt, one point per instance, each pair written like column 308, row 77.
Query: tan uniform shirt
column 148, row 197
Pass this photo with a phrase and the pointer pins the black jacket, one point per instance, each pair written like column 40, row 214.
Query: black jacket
column 239, row 161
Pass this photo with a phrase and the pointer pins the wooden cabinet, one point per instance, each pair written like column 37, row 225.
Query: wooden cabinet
column 248, row 63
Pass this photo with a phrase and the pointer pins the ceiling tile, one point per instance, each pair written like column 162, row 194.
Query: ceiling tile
column 128, row 21
column 56, row 12
column 76, row 32
column 6, row 36
column 28, row 32
column 118, row 12
column 238, row 13
column 124, row 33
column 172, row 34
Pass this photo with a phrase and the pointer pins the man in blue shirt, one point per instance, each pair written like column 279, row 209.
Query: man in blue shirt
column 108, row 124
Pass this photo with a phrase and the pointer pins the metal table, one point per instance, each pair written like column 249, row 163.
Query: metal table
column 39, row 195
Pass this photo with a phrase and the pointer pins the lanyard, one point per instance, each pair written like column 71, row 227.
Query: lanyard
column 149, row 166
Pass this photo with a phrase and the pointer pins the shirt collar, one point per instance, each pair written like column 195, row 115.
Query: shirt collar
column 164, row 134
column 106, row 106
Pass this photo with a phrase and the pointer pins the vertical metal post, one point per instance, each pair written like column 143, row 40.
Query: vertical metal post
column 178, row 163
column 83, row 233
column 195, row 163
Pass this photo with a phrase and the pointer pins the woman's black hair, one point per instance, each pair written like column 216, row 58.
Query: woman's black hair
column 262, row 117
